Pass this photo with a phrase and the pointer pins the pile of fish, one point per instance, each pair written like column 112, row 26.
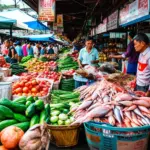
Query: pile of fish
column 105, row 102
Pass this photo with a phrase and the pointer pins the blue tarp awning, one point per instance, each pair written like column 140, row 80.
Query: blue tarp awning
column 136, row 21
column 7, row 20
column 36, row 25
column 41, row 37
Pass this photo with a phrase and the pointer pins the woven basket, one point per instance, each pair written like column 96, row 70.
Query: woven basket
column 64, row 136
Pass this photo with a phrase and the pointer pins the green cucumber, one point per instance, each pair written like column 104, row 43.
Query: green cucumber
column 30, row 98
column 20, row 118
column 7, row 123
column 30, row 111
column 18, row 108
column 6, row 102
column 28, row 103
column 24, row 126
column 34, row 120
column 21, row 100
column 39, row 104
column 43, row 117
column 6, row 112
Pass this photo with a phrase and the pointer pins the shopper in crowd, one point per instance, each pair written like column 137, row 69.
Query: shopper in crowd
column 131, row 54
column 36, row 50
column 19, row 50
column 24, row 48
column 5, row 48
column 141, row 44
column 43, row 49
column 55, row 48
column 30, row 49
column 50, row 50
column 12, row 52
column 87, row 56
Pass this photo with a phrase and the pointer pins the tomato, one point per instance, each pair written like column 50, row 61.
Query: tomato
column 27, row 84
column 22, row 84
column 19, row 94
column 34, row 90
column 30, row 86
column 24, row 94
column 16, row 85
column 18, row 90
column 45, row 89
column 34, row 82
column 37, row 87
column 25, row 90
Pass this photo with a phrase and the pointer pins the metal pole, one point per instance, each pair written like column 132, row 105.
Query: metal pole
column 11, row 27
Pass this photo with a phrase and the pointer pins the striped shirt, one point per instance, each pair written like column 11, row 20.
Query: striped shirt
column 143, row 71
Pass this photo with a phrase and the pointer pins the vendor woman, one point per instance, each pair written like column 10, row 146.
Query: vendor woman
column 131, row 54
column 87, row 56
column 141, row 44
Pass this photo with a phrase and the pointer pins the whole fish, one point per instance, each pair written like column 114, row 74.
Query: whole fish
column 131, row 108
column 120, row 109
column 128, row 114
column 133, row 124
column 147, row 120
column 144, row 121
column 144, row 109
column 84, row 105
column 111, row 120
column 94, row 95
column 134, row 119
column 117, row 115
column 124, row 97
column 106, row 99
column 126, row 103
column 137, row 111
column 142, row 103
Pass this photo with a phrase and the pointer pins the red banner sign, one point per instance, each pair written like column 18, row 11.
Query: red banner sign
column 47, row 10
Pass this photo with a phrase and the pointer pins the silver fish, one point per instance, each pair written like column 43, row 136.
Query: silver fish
column 117, row 115
column 137, row 111
column 84, row 105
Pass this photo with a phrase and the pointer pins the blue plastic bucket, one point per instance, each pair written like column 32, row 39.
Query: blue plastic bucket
column 106, row 137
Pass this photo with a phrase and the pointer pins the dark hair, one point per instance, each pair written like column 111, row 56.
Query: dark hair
column 132, row 34
column 142, row 37
column 89, row 39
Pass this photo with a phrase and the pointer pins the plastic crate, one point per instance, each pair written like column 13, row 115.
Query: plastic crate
column 105, row 137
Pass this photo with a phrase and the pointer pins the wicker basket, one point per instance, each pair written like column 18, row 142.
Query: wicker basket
column 64, row 136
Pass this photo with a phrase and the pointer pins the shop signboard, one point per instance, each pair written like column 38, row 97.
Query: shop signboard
column 133, row 11
column 55, row 26
column 60, row 20
column 112, row 21
column 102, row 27
column 47, row 10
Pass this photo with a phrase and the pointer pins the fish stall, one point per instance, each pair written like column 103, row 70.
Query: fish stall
column 114, row 116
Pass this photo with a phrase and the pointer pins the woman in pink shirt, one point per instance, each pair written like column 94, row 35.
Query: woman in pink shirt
column 24, row 48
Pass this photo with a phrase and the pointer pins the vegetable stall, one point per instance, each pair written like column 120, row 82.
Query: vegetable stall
column 42, row 101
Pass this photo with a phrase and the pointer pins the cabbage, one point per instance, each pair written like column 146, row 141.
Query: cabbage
column 67, row 122
column 55, row 113
column 60, row 122
column 54, row 119
column 63, row 117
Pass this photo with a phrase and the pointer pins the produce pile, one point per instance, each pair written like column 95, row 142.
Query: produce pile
column 25, row 59
column 67, row 84
column 34, row 65
column 31, row 87
column 68, row 73
column 111, row 104
column 62, row 102
column 102, row 57
column 49, row 57
column 74, row 56
column 67, row 63
column 64, row 50
column 23, row 112
column 17, row 69
column 3, row 62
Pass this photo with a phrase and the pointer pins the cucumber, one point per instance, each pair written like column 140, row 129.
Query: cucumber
column 18, row 108
column 34, row 120
column 21, row 100
column 30, row 98
column 7, row 123
column 43, row 117
column 6, row 102
column 24, row 126
column 39, row 104
column 28, row 103
column 6, row 112
column 20, row 118
column 30, row 111
column 35, row 98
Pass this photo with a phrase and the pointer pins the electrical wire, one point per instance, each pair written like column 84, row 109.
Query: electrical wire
column 80, row 4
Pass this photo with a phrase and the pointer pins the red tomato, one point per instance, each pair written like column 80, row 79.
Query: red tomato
column 45, row 89
column 34, row 82
column 18, row 90
column 22, row 84
column 34, row 90
column 25, row 90
column 16, row 85
column 19, row 94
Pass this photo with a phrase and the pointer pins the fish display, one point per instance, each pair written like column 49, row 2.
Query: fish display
column 107, row 102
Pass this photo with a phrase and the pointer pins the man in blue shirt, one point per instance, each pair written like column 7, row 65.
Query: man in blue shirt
column 87, row 56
